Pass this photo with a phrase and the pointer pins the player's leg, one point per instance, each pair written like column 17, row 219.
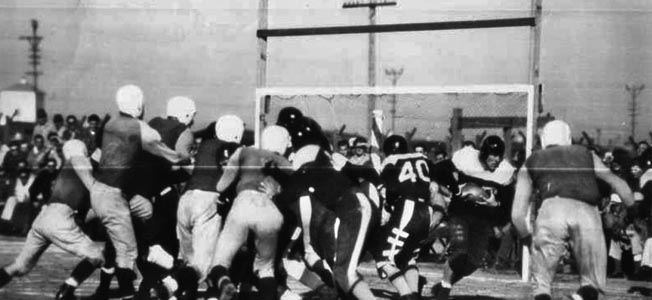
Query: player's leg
column 34, row 246
column 458, row 264
column 352, row 234
column 187, row 276
column 418, row 228
column 66, row 234
column 115, row 214
column 266, row 228
column 589, row 250
column 317, row 226
column 391, row 244
column 184, row 224
column 549, row 243
column 232, row 237
column 206, row 226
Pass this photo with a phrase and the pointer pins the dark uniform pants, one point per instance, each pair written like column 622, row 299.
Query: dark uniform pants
column 400, row 239
column 469, row 239
column 336, row 237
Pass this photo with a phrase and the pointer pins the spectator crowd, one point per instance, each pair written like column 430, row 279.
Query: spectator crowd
column 30, row 162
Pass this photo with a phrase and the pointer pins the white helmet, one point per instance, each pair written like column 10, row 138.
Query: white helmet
column 229, row 128
column 276, row 139
column 556, row 132
column 130, row 100
column 182, row 108
column 74, row 148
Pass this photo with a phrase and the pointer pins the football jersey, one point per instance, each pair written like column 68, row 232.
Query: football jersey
column 406, row 176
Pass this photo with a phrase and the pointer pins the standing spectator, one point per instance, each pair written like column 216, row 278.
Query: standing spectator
column 40, row 154
column 56, row 148
column 440, row 155
column 72, row 130
column 41, row 189
column 361, row 155
column 343, row 148
column 59, row 126
column 43, row 126
column 12, row 159
column 4, row 149
column 18, row 208
column 90, row 134
column 641, row 147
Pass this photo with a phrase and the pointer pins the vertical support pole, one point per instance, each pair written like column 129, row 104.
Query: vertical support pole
column 261, row 71
column 371, row 105
column 535, row 51
column 456, row 130
column 507, row 137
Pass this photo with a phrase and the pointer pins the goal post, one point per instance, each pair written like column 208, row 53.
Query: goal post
column 451, row 114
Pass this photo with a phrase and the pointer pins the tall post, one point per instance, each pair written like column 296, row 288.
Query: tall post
column 394, row 75
column 456, row 130
column 261, row 76
column 535, row 51
column 34, row 41
column 371, row 65
column 634, row 92
column 535, row 57
column 371, row 54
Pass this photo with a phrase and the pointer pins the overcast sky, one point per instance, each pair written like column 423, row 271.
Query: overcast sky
column 207, row 50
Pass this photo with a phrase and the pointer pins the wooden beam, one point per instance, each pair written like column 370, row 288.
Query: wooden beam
column 429, row 26
column 499, row 122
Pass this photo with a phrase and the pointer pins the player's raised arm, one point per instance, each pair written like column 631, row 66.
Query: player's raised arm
column 522, row 202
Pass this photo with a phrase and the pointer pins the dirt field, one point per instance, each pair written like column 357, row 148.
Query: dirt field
column 55, row 265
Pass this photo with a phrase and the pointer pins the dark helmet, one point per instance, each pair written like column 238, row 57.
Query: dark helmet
column 645, row 160
column 395, row 144
column 492, row 145
column 305, row 131
column 288, row 116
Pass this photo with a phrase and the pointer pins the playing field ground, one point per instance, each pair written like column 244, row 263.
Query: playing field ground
column 55, row 265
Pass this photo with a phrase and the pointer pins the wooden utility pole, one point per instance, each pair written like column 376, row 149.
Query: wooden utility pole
column 634, row 92
column 371, row 4
column 394, row 75
column 34, row 41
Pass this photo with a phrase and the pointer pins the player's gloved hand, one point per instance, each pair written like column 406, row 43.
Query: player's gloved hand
column 141, row 208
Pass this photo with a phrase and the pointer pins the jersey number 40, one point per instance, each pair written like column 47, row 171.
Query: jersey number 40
column 408, row 171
